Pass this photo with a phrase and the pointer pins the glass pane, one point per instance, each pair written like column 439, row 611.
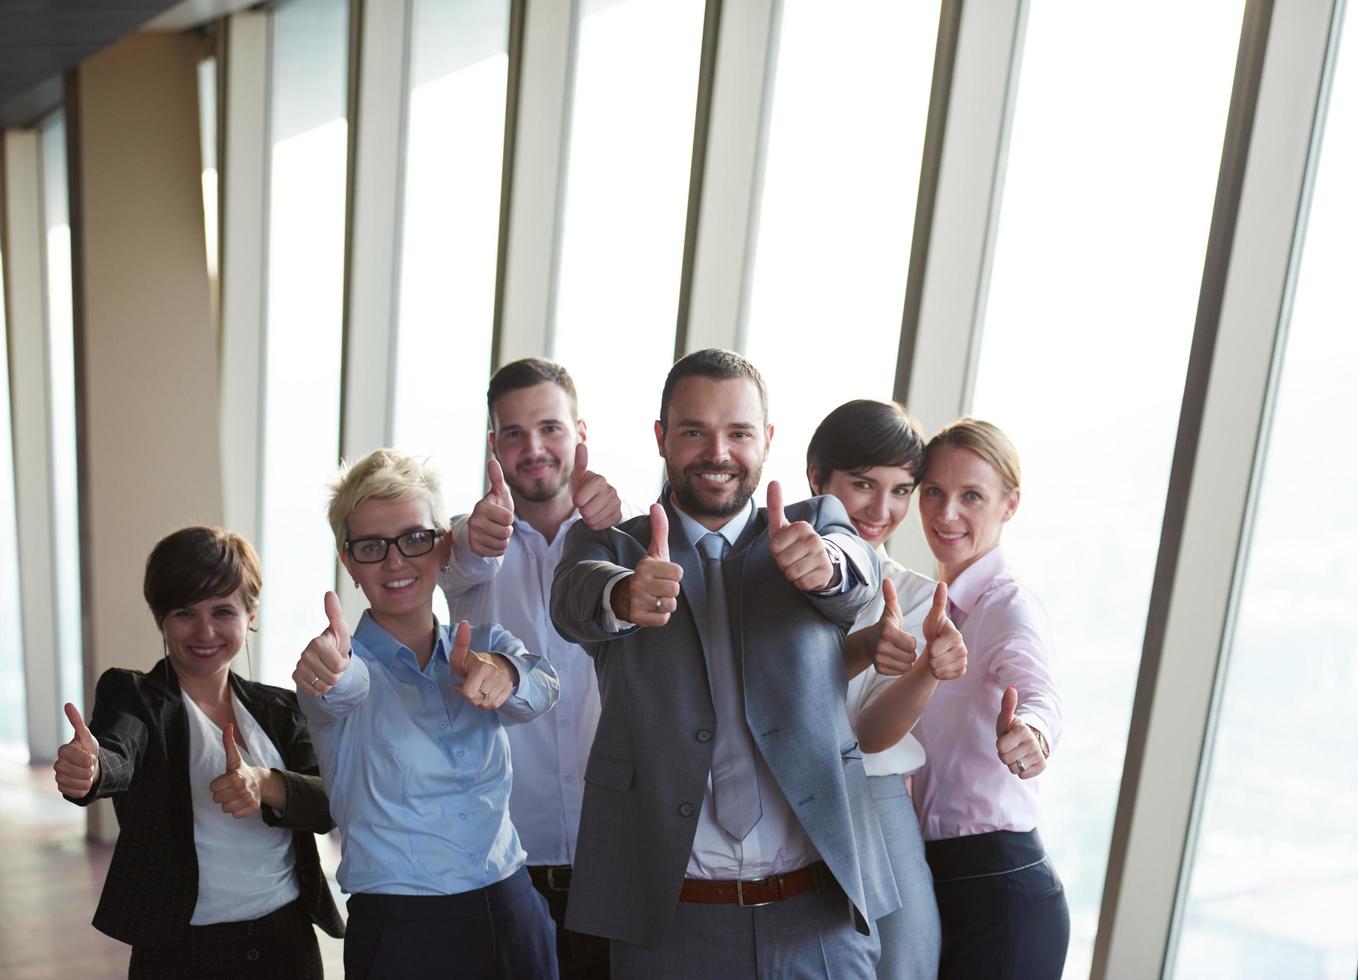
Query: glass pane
column 450, row 236
column 13, row 720
column 837, row 211
column 1274, row 879
column 61, row 392
column 623, row 234
column 1098, row 261
column 303, row 323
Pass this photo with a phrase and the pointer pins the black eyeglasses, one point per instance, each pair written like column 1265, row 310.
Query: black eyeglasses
column 412, row 544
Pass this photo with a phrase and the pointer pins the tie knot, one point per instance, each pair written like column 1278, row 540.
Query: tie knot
column 713, row 546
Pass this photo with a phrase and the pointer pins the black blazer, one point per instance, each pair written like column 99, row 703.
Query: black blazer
column 142, row 728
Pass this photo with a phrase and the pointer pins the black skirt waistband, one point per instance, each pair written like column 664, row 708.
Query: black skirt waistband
column 996, row 853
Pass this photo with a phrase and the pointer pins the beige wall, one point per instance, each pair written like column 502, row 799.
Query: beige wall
column 147, row 371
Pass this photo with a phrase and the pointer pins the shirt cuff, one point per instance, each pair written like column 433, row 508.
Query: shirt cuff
column 841, row 566
column 607, row 619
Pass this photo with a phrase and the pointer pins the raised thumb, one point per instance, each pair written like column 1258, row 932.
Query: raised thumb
column 1008, row 705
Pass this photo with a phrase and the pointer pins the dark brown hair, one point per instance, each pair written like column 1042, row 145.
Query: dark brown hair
column 528, row 373
column 721, row 365
column 861, row 434
column 196, row 563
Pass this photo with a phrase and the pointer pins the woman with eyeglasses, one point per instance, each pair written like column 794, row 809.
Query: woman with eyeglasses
column 408, row 717
column 215, row 783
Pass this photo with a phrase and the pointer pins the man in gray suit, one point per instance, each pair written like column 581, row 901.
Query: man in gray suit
column 726, row 830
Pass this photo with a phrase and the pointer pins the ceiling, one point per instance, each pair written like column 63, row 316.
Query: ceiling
column 41, row 39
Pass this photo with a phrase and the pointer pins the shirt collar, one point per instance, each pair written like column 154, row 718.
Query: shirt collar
column 384, row 646
column 731, row 530
column 974, row 581
column 522, row 526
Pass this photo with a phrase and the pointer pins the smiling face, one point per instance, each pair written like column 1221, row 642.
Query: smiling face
column 202, row 638
column 714, row 446
column 397, row 588
column 963, row 506
column 534, row 439
column 877, row 498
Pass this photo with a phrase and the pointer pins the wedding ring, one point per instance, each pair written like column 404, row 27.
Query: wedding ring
column 658, row 602
column 485, row 694
column 314, row 679
column 1022, row 768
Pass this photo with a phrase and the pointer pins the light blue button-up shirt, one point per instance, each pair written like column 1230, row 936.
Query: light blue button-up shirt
column 418, row 777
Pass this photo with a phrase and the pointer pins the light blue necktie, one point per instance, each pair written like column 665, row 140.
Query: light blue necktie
column 735, row 785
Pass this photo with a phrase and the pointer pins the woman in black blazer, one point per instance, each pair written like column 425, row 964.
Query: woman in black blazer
column 214, row 781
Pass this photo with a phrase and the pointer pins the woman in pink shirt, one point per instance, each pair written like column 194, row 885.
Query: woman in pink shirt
column 988, row 735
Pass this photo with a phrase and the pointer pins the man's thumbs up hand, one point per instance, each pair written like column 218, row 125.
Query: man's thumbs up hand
column 799, row 551
column 592, row 495
column 650, row 594
column 492, row 521
column 77, row 765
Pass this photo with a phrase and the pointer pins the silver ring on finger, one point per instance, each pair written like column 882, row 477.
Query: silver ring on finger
column 658, row 603
column 485, row 694
column 314, row 679
column 1022, row 767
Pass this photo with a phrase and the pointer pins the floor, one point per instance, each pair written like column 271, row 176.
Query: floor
column 50, row 879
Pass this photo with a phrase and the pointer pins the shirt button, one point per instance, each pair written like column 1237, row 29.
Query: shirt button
column 685, row 809
column 429, row 687
column 461, row 753
column 444, row 724
column 252, row 955
column 462, row 814
column 704, row 735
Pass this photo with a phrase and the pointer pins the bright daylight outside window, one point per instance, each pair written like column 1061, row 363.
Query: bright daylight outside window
column 623, row 226
column 1274, row 879
column 13, row 721
column 1102, row 233
column 303, row 324
column 837, row 212
column 60, row 327
column 450, row 233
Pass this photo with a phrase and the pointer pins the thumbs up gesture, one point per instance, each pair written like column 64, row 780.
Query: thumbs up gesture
column 895, row 650
column 492, row 520
column 486, row 681
column 241, row 789
column 77, row 765
column 325, row 657
column 797, row 548
column 592, row 495
column 1018, row 745
column 650, row 594
column 943, row 642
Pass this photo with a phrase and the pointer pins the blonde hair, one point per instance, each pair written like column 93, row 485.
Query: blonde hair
column 986, row 441
column 384, row 475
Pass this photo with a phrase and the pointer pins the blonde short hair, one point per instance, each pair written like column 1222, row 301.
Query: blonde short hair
column 986, row 441
column 384, row 475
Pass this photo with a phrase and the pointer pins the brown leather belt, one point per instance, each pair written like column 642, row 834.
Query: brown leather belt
column 751, row 892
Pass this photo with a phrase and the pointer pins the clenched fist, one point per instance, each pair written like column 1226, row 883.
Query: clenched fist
column 650, row 594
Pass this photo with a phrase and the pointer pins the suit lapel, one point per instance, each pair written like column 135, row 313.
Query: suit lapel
column 175, row 731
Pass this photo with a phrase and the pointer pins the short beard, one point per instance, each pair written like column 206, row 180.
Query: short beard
column 539, row 490
column 685, row 494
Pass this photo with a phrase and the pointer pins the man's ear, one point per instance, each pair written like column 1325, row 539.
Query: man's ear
column 490, row 441
column 660, row 437
column 768, row 439
column 581, row 430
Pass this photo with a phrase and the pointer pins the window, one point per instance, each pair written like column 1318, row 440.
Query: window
column 1274, row 876
column 837, row 212
column 1099, row 254
column 631, row 142
column 450, row 236
column 13, row 719
column 60, row 332
column 303, row 323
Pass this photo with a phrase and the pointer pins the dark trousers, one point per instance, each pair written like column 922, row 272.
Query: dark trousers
column 500, row 932
column 1002, row 907
column 579, row 956
column 280, row 944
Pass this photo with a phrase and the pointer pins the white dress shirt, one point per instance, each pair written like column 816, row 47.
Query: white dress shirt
column 549, row 754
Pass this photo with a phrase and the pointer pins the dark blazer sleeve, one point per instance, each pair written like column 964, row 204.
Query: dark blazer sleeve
column 828, row 516
column 588, row 561
column 306, row 805
column 120, row 732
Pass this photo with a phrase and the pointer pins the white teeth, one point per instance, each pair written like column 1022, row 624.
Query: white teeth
column 717, row 477
column 399, row 584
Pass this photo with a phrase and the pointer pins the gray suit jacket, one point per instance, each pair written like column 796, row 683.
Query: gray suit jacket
column 649, row 766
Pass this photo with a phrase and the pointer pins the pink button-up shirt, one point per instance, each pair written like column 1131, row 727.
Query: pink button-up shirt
column 965, row 788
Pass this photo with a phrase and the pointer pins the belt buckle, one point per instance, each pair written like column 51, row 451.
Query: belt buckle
column 740, row 893
column 552, row 882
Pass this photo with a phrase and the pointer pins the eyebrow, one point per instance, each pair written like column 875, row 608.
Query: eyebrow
column 700, row 424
